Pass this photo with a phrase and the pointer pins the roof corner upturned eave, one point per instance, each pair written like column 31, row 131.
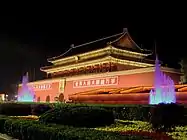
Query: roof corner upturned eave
column 119, row 35
column 45, row 68
column 112, row 42
column 134, row 46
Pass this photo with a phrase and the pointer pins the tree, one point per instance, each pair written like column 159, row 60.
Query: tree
column 183, row 64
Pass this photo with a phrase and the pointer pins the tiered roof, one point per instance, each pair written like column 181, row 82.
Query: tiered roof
column 116, row 48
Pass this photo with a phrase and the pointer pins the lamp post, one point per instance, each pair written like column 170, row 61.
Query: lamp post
column 6, row 97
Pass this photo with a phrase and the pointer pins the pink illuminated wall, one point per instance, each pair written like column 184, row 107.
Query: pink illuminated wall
column 51, row 87
column 141, row 79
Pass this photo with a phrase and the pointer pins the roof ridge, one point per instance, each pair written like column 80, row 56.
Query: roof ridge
column 126, row 32
column 98, row 40
column 101, row 39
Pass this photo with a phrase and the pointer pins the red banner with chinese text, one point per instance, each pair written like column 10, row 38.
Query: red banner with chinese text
column 107, row 81
column 43, row 86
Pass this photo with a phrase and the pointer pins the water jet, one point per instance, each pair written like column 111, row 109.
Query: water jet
column 164, row 88
column 26, row 94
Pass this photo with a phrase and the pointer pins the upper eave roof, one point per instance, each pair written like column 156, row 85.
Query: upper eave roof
column 122, row 41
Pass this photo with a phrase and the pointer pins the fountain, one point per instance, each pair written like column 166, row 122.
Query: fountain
column 25, row 94
column 164, row 88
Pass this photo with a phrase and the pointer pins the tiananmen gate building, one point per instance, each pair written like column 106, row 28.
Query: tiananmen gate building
column 113, row 69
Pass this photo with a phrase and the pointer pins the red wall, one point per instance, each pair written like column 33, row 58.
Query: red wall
column 140, row 79
column 52, row 93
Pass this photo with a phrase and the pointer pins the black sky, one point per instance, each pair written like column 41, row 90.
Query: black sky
column 28, row 38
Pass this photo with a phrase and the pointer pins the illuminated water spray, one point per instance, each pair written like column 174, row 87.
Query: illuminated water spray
column 164, row 88
column 25, row 94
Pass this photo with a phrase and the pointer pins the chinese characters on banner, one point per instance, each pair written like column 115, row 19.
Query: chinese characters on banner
column 108, row 81
column 41, row 87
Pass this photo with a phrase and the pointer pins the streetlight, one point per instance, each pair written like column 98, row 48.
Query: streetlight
column 6, row 97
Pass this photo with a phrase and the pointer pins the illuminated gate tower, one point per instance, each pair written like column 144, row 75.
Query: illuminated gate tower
column 112, row 62
column 114, row 53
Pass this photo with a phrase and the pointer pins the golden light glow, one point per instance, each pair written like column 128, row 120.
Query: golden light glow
column 100, row 52
column 71, row 58
column 107, row 59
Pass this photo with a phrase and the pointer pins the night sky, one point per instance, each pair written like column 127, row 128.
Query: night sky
column 27, row 39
